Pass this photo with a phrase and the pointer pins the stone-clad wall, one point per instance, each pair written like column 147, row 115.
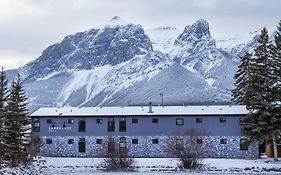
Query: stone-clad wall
column 211, row 146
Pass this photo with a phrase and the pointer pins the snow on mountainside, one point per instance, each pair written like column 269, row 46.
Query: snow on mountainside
column 163, row 38
column 119, row 64
column 196, row 50
column 113, row 44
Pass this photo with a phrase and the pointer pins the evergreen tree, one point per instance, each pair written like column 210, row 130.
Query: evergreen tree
column 241, row 78
column 3, row 102
column 17, row 136
column 260, row 99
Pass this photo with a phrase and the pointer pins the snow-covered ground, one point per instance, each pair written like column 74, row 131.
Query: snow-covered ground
column 87, row 166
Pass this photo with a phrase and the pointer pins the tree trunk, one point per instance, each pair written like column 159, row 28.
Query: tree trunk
column 274, row 148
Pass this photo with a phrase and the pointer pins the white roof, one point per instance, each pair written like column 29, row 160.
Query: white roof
column 140, row 110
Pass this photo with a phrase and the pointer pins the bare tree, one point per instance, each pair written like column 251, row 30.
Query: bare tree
column 186, row 146
column 116, row 155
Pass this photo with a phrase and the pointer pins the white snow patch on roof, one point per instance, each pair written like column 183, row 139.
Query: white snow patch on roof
column 141, row 110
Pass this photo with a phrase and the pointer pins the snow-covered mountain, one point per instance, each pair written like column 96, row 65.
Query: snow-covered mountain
column 119, row 63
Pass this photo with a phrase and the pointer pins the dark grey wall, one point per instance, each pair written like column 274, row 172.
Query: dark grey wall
column 210, row 126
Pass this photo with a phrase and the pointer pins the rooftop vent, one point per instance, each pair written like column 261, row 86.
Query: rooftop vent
column 150, row 108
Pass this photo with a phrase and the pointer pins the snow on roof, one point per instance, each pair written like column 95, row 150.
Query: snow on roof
column 140, row 110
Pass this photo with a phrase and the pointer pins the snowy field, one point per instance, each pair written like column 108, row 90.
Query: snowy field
column 143, row 166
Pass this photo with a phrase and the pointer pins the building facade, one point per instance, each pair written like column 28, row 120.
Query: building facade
column 145, row 131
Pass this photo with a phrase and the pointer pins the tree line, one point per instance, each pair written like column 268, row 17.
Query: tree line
column 258, row 86
column 15, row 136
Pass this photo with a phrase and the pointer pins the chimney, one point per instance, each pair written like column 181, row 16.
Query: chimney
column 150, row 108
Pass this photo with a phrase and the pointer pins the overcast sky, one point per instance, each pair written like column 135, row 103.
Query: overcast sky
column 27, row 27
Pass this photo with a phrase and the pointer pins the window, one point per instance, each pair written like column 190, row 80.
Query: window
column 199, row 141
column 111, row 125
column 244, row 144
column 70, row 141
column 82, row 145
column 223, row 141
column 99, row 141
column 99, row 121
column 222, row 120
column 155, row 120
column 82, row 126
column 135, row 120
column 135, row 141
column 179, row 121
column 179, row 144
column 49, row 121
column 199, row 120
column 242, row 122
column 155, row 141
column 49, row 141
column 122, row 125
column 70, row 121
column 36, row 125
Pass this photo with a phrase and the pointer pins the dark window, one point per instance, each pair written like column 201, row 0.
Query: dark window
column 242, row 122
column 64, row 125
column 179, row 144
column 111, row 126
column 49, row 121
column 70, row 141
column 135, row 120
column 99, row 141
column 155, row 141
column 82, row 145
column 155, row 120
column 122, row 125
column 99, row 121
column 49, row 141
column 36, row 125
column 244, row 144
column 135, row 141
column 70, row 121
column 179, row 121
column 82, row 126
column 223, row 141
column 222, row 120
column 199, row 141
column 199, row 120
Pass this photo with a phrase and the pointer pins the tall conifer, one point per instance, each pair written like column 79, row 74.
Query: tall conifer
column 241, row 80
column 3, row 103
column 17, row 129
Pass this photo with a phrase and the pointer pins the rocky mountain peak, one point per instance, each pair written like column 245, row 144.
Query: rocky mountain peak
column 197, row 32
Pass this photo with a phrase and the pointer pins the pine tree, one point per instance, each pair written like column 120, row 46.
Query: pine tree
column 3, row 102
column 261, row 123
column 275, row 87
column 241, row 78
column 17, row 129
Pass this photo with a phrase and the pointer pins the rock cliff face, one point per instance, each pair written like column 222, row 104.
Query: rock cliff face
column 119, row 64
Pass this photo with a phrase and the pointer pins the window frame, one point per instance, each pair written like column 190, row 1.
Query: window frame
column 70, row 141
column 223, row 141
column 99, row 120
column 222, row 119
column 244, row 146
column 99, row 141
column 155, row 120
column 199, row 119
column 179, row 119
column 49, row 141
column 135, row 141
column 155, row 141
column 49, row 121
column 70, row 121
column 135, row 120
